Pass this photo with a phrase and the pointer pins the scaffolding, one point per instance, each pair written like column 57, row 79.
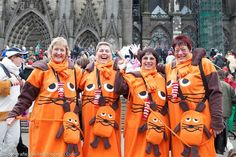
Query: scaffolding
column 210, row 25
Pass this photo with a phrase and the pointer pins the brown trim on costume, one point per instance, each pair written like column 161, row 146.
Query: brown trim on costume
column 25, row 99
column 215, row 101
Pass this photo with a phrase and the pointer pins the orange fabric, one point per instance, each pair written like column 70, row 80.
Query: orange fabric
column 89, row 85
column 135, row 142
column 149, row 79
column 193, row 90
column 71, row 126
column 156, row 128
column 105, row 69
column 43, row 141
column 191, row 127
column 104, row 124
column 61, row 68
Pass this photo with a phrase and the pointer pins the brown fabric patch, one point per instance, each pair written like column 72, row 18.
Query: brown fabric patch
column 5, row 88
column 3, row 116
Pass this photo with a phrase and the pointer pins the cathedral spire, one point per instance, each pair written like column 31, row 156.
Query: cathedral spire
column 57, row 10
column 104, row 12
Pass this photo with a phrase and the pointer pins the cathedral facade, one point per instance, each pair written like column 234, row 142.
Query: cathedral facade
column 151, row 23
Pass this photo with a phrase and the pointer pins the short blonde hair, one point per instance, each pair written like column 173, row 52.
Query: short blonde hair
column 58, row 40
column 103, row 43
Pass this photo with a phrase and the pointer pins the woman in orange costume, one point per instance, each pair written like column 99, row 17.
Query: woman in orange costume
column 98, row 90
column 52, row 88
column 146, row 87
column 184, row 73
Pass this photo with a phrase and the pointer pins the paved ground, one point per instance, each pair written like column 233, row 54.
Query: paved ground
column 25, row 141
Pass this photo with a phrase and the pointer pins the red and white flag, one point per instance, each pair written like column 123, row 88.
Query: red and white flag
column 146, row 109
column 175, row 87
column 97, row 95
column 60, row 89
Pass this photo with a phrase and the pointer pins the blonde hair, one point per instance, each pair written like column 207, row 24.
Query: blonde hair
column 103, row 43
column 58, row 40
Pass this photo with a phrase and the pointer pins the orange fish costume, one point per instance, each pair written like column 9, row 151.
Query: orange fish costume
column 101, row 136
column 52, row 88
column 139, row 127
column 187, row 76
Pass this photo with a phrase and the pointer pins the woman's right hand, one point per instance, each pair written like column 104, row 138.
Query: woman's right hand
column 10, row 120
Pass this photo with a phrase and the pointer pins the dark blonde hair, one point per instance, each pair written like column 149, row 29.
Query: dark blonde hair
column 58, row 40
column 103, row 43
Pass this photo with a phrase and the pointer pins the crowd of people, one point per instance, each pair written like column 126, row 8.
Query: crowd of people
column 174, row 104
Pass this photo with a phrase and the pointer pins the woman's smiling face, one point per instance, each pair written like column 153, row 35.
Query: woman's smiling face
column 182, row 53
column 103, row 54
column 58, row 53
column 148, row 61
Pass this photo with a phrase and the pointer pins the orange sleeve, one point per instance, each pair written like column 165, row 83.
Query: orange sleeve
column 79, row 74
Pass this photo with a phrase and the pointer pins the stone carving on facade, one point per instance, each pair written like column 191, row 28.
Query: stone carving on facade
column 26, row 21
column 88, row 23
column 190, row 31
column 160, row 37
column 136, row 36
column 63, row 30
column 112, row 33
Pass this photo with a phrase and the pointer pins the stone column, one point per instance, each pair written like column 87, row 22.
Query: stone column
column 176, row 24
column 127, row 20
column 176, row 20
column 176, row 6
column 233, row 29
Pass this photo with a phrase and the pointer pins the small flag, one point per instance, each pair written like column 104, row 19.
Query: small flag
column 146, row 109
column 175, row 87
column 60, row 89
column 97, row 95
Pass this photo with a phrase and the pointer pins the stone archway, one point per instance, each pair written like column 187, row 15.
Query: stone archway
column 86, row 39
column 28, row 31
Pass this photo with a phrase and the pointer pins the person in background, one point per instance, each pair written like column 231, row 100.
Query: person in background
column 231, row 62
column 186, row 92
column 101, row 106
column 219, row 60
column 213, row 53
column 229, row 99
column 83, row 61
column 145, row 133
column 52, row 88
column 9, row 137
column 170, row 56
